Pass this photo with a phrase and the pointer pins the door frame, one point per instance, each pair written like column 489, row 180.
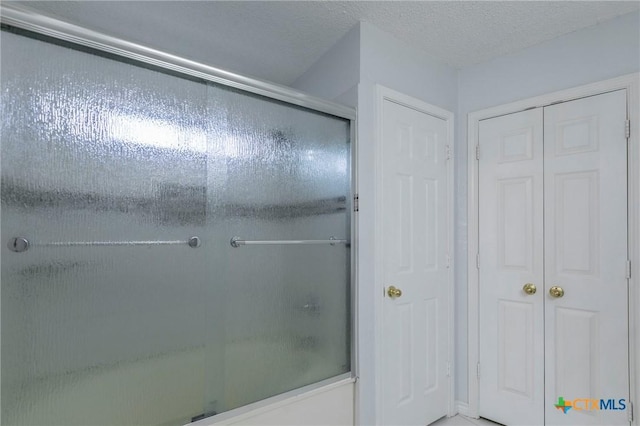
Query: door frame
column 382, row 94
column 630, row 82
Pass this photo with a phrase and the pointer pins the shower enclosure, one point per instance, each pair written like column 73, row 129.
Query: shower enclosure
column 175, row 239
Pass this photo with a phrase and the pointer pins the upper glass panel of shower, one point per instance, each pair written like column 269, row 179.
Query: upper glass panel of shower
column 172, row 248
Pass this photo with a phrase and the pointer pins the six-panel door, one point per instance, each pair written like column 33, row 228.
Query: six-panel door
column 415, row 235
column 553, row 213
column 511, row 256
column 586, row 330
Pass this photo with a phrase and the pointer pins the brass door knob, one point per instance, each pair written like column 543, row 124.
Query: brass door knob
column 394, row 292
column 556, row 291
column 529, row 288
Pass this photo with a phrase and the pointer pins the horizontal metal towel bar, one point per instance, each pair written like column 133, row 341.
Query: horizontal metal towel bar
column 237, row 242
column 21, row 244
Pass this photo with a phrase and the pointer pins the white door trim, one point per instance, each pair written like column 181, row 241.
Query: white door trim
column 630, row 82
column 381, row 94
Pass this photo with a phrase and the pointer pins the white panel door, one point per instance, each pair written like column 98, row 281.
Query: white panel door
column 415, row 249
column 585, row 163
column 511, row 256
column 553, row 213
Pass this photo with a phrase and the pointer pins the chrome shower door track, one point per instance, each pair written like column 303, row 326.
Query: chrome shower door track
column 29, row 20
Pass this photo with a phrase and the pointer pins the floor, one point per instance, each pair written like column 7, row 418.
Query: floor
column 463, row 421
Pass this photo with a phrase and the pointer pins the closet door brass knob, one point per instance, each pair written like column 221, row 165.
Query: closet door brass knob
column 394, row 292
column 529, row 288
column 556, row 291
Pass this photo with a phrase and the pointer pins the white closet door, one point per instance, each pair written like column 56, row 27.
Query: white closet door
column 565, row 190
column 585, row 186
column 511, row 256
column 415, row 234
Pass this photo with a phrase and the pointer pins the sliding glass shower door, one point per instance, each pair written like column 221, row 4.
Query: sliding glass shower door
column 123, row 299
column 279, row 175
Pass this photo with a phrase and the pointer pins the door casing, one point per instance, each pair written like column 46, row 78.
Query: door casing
column 381, row 94
column 630, row 82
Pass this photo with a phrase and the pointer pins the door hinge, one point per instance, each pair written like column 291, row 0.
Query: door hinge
column 477, row 152
column 628, row 269
column 627, row 129
column 356, row 203
column 447, row 151
column 448, row 261
column 478, row 370
column 630, row 411
column 448, row 370
column 477, row 260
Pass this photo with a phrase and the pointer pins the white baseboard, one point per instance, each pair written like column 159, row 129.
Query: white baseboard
column 463, row 409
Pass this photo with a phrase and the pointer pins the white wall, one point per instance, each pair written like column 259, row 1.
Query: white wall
column 382, row 59
column 336, row 74
column 596, row 53
column 387, row 61
column 390, row 62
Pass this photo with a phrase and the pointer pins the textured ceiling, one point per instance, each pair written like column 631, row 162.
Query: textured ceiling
column 279, row 40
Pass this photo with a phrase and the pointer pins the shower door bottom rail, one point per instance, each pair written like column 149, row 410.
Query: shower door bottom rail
column 237, row 242
column 21, row 244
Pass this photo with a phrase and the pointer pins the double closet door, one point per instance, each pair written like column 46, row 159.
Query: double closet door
column 553, row 264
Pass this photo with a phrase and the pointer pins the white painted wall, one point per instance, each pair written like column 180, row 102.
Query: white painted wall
column 390, row 62
column 382, row 60
column 596, row 53
column 336, row 74
column 387, row 61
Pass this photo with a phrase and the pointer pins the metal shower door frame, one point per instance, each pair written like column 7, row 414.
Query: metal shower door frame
column 35, row 22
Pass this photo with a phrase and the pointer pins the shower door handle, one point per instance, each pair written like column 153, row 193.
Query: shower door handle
column 21, row 244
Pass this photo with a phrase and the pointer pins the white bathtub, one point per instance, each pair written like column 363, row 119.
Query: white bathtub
column 329, row 405
column 114, row 392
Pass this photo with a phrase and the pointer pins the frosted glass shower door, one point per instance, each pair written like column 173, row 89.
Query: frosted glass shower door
column 123, row 300
column 95, row 150
column 279, row 173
